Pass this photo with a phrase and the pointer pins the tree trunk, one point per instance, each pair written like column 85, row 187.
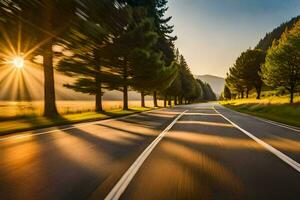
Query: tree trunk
column 181, row 100
column 143, row 99
column 125, row 87
column 258, row 91
column 292, row 96
column 99, row 101
column 155, row 99
column 247, row 93
column 175, row 100
column 50, row 109
column 170, row 101
column 98, row 95
column 125, row 97
column 165, row 101
column 242, row 94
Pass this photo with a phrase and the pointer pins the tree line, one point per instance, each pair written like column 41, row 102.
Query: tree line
column 106, row 45
column 276, row 65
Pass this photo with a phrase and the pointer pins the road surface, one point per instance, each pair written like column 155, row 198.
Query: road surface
column 199, row 151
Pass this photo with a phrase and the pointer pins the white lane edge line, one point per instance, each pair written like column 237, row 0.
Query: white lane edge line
column 292, row 128
column 277, row 124
column 75, row 125
column 276, row 152
column 122, row 184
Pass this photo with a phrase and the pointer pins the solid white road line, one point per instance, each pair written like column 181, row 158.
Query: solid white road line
column 276, row 152
column 78, row 125
column 292, row 128
column 278, row 124
column 122, row 184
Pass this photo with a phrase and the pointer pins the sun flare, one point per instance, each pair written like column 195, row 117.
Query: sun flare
column 18, row 62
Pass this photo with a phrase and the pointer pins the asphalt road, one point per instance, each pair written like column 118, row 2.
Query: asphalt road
column 190, row 152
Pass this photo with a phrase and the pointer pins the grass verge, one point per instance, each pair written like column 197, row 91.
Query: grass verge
column 31, row 123
column 274, row 109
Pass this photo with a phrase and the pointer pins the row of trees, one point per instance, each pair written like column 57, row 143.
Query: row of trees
column 185, row 88
column 106, row 45
column 245, row 73
column 278, row 67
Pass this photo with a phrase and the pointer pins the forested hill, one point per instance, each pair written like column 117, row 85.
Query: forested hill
column 216, row 83
column 266, row 42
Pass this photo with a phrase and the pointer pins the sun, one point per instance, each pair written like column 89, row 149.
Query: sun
column 18, row 62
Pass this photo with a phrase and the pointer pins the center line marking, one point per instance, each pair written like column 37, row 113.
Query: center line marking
column 294, row 164
column 122, row 184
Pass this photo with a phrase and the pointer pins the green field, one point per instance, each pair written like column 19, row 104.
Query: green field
column 273, row 108
column 22, row 116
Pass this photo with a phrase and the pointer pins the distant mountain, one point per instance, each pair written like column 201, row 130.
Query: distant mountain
column 216, row 83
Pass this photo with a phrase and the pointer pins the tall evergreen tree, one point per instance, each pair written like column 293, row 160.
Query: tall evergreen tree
column 208, row 94
column 226, row 93
column 249, row 66
column 245, row 74
column 234, row 83
column 156, row 10
column 87, row 42
column 282, row 68
column 131, row 50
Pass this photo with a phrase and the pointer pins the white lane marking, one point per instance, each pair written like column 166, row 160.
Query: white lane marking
column 277, row 124
column 292, row 128
column 276, row 152
column 78, row 125
column 122, row 184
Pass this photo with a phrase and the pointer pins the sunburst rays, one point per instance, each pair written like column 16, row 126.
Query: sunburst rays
column 16, row 81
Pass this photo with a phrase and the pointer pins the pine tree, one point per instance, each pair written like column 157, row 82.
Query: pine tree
column 226, row 93
column 131, row 50
column 282, row 67
column 248, row 70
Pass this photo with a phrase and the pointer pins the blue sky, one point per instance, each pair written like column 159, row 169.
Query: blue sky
column 212, row 33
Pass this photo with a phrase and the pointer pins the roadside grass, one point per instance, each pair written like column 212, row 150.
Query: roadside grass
column 273, row 108
column 34, row 122
column 16, row 110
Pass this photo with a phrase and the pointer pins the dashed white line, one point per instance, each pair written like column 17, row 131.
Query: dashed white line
column 276, row 152
column 122, row 184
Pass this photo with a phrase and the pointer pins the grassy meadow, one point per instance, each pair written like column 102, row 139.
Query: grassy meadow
column 23, row 116
column 272, row 107
column 15, row 109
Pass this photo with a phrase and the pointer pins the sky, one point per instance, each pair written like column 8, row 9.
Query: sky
column 213, row 33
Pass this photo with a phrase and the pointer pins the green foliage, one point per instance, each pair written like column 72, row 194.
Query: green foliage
column 267, row 41
column 185, row 87
column 282, row 67
column 245, row 74
column 87, row 41
column 107, row 45
column 208, row 94
column 226, row 93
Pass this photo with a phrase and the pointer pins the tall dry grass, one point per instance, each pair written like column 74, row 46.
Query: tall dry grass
column 272, row 100
column 11, row 109
column 274, row 108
